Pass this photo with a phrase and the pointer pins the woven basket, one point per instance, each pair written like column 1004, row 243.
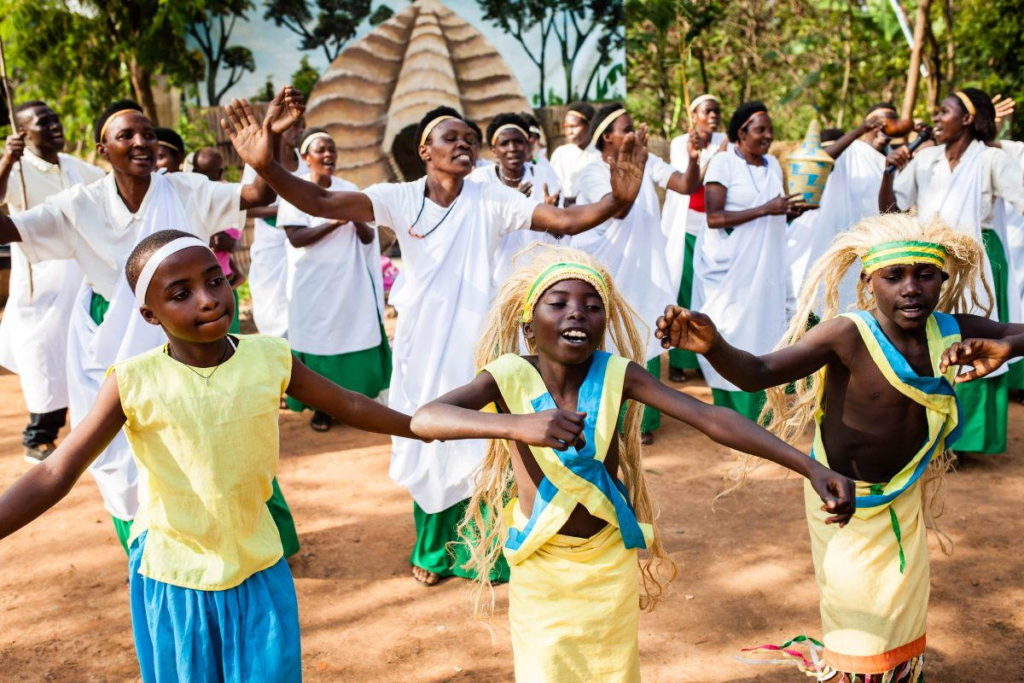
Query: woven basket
column 808, row 167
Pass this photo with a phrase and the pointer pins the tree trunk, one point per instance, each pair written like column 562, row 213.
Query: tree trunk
column 142, row 86
column 914, row 70
column 950, row 44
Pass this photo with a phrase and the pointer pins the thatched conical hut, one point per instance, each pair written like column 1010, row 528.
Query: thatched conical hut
column 423, row 57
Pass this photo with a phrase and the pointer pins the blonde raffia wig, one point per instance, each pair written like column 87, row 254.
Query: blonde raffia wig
column 536, row 269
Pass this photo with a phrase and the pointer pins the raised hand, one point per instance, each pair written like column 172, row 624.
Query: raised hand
column 837, row 492
column 1004, row 107
column 285, row 109
column 695, row 143
column 551, row 199
column 684, row 329
column 627, row 168
column 554, row 428
column 899, row 158
column 14, row 147
column 982, row 356
column 253, row 142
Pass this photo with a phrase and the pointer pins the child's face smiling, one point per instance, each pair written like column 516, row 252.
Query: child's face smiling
column 907, row 294
column 190, row 297
column 568, row 322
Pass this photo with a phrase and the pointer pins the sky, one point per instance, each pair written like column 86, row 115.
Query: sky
column 277, row 50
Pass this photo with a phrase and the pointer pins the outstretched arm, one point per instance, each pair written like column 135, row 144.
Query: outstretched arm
column 839, row 146
column 627, row 171
column 731, row 429
column 693, row 331
column 45, row 484
column 986, row 345
column 255, row 144
column 348, row 406
column 456, row 415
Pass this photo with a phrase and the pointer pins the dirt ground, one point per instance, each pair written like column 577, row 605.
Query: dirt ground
column 745, row 579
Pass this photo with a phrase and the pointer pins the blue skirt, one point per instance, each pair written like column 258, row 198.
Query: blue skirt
column 249, row 633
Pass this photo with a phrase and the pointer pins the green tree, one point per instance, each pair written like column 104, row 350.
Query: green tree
column 335, row 23
column 211, row 28
column 305, row 78
column 381, row 14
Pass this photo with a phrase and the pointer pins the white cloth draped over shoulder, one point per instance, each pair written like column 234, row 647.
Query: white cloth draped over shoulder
column 966, row 197
column 517, row 240
column 336, row 301
column 91, row 224
column 632, row 248
column 34, row 329
column 677, row 220
column 442, row 296
column 1015, row 224
column 739, row 278
column 850, row 195
column 567, row 160
column 268, row 269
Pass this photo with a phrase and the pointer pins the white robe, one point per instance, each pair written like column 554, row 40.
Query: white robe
column 337, row 291
column 517, row 240
column 1015, row 224
column 740, row 278
column 567, row 160
column 632, row 248
column 91, row 224
column 34, row 329
column 677, row 220
column 851, row 194
column 268, row 270
column 442, row 296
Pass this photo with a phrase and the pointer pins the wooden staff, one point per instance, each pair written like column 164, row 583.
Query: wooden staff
column 21, row 172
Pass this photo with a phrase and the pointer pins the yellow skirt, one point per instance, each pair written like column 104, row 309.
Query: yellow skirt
column 574, row 608
column 873, row 616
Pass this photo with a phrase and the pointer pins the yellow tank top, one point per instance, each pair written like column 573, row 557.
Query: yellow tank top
column 207, row 454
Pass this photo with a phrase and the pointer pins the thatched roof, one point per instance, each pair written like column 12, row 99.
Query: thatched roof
column 423, row 57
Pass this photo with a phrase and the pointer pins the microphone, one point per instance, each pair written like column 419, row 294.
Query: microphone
column 925, row 134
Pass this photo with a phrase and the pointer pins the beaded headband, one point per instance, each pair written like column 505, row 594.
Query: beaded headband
column 903, row 252
column 557, row 273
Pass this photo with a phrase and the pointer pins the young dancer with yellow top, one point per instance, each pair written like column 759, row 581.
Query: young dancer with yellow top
column 211, row 595
column 878, row 385
column 572, row 529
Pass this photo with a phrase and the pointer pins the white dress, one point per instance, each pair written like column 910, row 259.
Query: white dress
column 567, row 160
column 442, row 296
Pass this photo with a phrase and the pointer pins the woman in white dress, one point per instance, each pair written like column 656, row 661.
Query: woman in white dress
column 739, row 267
column 568, row 159
column 336, row 302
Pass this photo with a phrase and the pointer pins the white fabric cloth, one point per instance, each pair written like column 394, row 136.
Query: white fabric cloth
column 1015, row 225
column 34, row 329
column 442, row 296
column 337, row 291
column 268, row 269
column 632, row 248
column 516, row 240
column 567, row 160
column 850, row 195
column 676, row 217
column 740, row 278
column 966, row 197
column 92, row 224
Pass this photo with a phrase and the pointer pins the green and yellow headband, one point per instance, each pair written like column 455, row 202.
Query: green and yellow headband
column 903, row 252
column 556, row 273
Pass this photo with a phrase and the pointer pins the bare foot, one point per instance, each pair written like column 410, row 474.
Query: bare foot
column 425, row 577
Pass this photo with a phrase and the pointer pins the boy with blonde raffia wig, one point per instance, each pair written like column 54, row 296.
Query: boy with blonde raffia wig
column 571, row 529
column 878, row 385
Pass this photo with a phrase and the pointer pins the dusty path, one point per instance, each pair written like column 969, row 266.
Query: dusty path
column 745, row 576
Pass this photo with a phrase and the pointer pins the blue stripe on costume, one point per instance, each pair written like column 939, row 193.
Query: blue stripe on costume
column 583, row 463
column 929, row 385
column 545, row 492
column 246, row 634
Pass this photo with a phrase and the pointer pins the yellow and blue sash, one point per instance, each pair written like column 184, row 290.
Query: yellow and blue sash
column 575, row 476
column 935, row 393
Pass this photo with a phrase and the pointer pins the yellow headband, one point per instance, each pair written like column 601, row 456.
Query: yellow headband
column 166, row 144
column 962, row 96
column 751, row 118
column 433, row 124
column 557, row 273
column 599, row 131
column 103, row 128
column 507, row 126
column 304, row 147
column 903, row 253
column 579, row 114
column 700, row 100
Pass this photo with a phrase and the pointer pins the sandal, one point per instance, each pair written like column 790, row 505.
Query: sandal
column 320, row 421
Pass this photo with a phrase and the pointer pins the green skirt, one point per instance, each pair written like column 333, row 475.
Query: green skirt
column 746, row 403
column 984, row 402
column 439, row 549
column 677, row 358
column 367, row 372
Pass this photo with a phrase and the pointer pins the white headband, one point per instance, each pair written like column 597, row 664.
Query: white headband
column 158, row 257
column 312, row 138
